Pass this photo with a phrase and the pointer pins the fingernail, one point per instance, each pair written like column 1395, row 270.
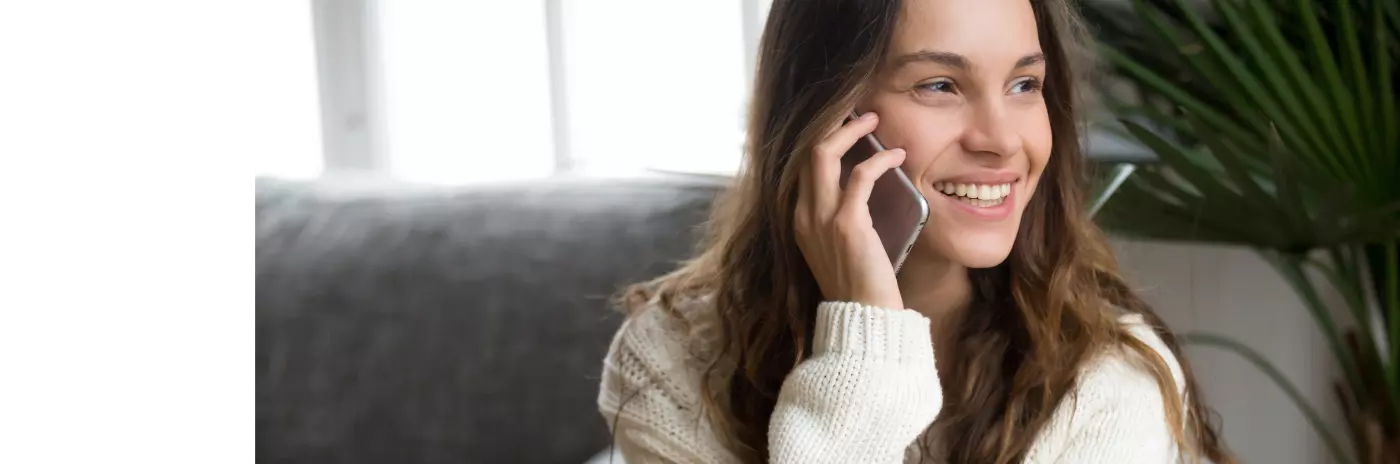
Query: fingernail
column 868, row 115
column 899, row 151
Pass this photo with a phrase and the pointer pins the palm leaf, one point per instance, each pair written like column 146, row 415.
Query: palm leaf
column 1301, row 148
column 1275, row 123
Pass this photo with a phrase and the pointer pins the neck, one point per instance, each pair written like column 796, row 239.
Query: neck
column 940, row 290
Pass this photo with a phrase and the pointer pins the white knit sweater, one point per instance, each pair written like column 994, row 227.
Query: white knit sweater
column 866, row 393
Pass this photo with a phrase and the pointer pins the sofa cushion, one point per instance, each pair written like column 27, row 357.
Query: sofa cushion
column 426, row 325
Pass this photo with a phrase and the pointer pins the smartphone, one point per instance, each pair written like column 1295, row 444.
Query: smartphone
column 897, row 209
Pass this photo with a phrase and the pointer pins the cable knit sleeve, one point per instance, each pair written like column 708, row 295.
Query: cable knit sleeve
column 868, row 390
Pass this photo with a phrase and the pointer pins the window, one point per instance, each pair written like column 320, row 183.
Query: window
column 654, row 84
column 466, row 92
column 283, row 114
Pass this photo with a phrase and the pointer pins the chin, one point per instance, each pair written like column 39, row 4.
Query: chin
column 975, row 249
column 981, row 256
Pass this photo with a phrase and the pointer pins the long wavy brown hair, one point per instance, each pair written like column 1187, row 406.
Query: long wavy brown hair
column 1033, row 320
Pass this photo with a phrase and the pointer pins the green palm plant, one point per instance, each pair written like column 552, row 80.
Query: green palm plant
column 1274, row 123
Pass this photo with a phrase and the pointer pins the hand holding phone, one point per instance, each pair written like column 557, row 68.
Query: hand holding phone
column 835, row 227
column 897, row 210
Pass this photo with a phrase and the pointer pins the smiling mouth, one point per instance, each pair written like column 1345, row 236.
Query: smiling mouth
column 979, row 195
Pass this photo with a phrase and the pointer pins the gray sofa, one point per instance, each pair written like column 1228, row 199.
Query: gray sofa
column 433, row 325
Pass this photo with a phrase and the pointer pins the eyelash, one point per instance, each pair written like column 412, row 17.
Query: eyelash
column 1034, row 84
column 929, row 86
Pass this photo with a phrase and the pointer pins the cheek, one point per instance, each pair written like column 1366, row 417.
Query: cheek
column 1038, row 141
column 915, row 132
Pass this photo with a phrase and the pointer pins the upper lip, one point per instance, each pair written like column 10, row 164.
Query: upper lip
column 984, row 178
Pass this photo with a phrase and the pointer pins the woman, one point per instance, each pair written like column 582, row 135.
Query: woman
column 1008, row 336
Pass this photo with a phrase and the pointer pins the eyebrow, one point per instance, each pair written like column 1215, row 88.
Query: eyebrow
column 955, row 60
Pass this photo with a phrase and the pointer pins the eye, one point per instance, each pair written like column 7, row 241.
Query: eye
column 1025, row 85
column 938, row 86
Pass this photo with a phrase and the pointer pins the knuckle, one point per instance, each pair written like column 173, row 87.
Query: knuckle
column 864, row 170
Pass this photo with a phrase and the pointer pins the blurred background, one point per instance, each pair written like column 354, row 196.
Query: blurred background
column 462, row 185
column 399, row 89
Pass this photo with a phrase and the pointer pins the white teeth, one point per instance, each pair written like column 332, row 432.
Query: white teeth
column 978, row 194
column 980, row 203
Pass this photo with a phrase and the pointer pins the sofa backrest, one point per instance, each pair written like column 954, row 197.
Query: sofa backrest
column 436, row 325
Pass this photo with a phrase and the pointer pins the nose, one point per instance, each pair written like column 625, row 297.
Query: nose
column 990, row 132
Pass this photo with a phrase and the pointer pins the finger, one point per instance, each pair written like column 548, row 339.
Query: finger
column 804, row 193
column 826, row 157
column 863, row 176
column 832, row 128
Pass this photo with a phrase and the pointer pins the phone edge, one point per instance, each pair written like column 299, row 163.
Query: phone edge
column 923, row 209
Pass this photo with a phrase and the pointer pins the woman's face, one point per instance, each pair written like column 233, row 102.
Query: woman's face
column 961, row 95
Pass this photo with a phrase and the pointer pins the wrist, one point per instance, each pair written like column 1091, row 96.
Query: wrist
column 891, row 333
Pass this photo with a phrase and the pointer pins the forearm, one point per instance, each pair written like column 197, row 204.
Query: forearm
column 868, row 390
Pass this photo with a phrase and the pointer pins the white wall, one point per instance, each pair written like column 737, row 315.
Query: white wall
column 1232, row 291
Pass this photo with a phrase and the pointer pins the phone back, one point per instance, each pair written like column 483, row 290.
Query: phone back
column 897, row 209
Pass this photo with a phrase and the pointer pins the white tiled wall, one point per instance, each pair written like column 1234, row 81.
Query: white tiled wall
column 1232, row 291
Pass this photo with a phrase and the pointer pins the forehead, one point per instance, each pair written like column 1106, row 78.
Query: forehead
column 986, row 31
